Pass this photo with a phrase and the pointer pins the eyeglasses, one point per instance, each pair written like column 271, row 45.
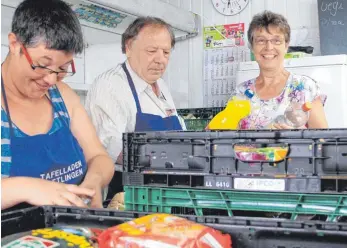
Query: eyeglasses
column 263, row 41
column 45, row 70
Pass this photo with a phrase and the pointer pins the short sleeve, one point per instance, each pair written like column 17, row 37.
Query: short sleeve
column 312, row 90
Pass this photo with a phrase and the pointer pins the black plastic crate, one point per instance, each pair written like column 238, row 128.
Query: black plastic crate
column 246, row 232
column 311, row 184
column 309, row 152
column 197, row 118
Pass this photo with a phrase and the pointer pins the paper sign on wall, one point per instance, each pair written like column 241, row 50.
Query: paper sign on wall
column 224, row 36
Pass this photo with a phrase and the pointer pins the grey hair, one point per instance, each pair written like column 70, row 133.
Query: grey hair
column 136, row 26
column 266, row 19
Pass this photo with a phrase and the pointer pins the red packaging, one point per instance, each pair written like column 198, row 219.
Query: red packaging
column 164, row 231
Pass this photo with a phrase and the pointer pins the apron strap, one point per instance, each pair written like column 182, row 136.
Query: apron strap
column 55, row 110
column 133, row 90
column 7, row 108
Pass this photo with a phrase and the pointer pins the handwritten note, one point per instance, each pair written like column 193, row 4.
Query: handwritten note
column 333, row 26
column 331, row 7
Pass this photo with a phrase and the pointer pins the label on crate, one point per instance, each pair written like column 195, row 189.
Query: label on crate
column 218, row 182
column 260, row 184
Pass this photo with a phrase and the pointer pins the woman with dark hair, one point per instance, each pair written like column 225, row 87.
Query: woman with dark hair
column 275, row 88
column 50, row 153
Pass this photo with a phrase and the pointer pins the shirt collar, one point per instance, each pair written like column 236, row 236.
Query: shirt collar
column 140, row 84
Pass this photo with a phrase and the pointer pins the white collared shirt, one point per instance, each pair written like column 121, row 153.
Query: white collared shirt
column 111, row 105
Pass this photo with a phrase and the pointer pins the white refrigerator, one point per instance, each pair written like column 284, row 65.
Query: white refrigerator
column 329, row 71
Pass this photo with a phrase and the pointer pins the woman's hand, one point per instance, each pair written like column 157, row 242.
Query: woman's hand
column 100, row 165
column 94, row 183
column 42, row 192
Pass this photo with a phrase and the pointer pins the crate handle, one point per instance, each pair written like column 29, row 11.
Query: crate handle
column 255, row 153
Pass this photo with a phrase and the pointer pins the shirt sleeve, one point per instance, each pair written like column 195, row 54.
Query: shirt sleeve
column 108, row 113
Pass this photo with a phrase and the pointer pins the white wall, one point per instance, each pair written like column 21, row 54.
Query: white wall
column 100, row 58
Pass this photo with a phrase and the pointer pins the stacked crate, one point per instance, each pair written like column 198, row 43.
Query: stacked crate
column 203, row 174
column 196, row 119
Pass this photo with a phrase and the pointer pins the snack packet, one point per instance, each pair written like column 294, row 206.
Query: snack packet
column 64, row 237
column 164, row 231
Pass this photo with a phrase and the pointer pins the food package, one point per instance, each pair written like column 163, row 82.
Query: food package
column 117, row 202
column 248, row 153
column 164, row 231
column 63, row 237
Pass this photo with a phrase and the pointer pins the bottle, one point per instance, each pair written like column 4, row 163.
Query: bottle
column 296, row 115
column 238, row 107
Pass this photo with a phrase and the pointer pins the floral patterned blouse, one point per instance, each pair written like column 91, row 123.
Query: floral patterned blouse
column 299, row 88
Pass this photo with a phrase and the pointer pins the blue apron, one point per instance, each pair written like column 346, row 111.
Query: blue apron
column 149, row 122
column 56, row 157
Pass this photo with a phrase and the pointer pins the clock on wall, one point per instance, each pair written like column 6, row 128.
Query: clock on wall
column 229, row 7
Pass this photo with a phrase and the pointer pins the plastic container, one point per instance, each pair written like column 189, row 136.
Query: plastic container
column 296, row 115
column 246, row 232
column 196, row 119
column 332, row 207
column 238, row 107
column 233, row 182
column 307, row 153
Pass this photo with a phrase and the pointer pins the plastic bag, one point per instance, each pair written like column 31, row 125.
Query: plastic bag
column 117, row 202
column 63, row 237
column 164, row 231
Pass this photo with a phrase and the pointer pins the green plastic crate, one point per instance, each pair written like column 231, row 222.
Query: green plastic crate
column 196, row 119
column 196, row 124
column 200, row 202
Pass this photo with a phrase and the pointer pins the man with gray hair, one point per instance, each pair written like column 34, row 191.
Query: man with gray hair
column 132, row 96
